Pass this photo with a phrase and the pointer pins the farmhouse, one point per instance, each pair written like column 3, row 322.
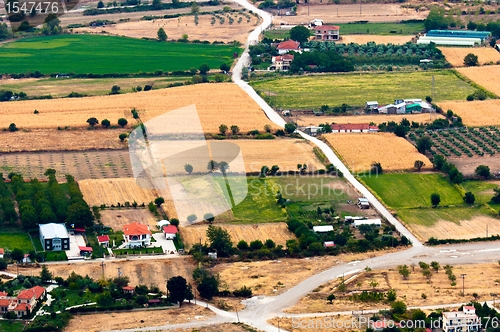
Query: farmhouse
column 323, row 229
column 374, row 222
column 170, row 232
column 326, row 33
column 103, row 240
column 24, row 302
column 287, row 46
column 465, row 320
column 313, row 130
column 353, row 128
column 128, row 289
column 371, row 105
column 281, row 62
column 397, row 108
column 136, row 235
column 54, row 237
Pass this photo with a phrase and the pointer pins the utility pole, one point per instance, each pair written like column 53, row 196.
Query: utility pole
column 463, row 283
column 102, row 266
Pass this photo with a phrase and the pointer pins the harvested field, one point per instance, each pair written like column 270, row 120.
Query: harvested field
column 438, row 291
column 456, row 55
column 467, row 166
column 486, row 76
column 114, row 191
column 278, row 232
column 475, row 113
column 117, row 218
column 275, row 277
column 359, row 151
column 138, row 319
column 176, row 27
column 60, row 140
column 350, row 13
column 145, row 270
column 215, row 103
column 377, row 119
column 363, row 39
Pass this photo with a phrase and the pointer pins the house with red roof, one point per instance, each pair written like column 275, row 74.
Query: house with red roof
column 288, row 46
column 128, row 289
column 170, row 232
column 281, row 62
column 103, row 240
column 137, row 235
column 327, row 33
column 24, row 302
column 2, row 252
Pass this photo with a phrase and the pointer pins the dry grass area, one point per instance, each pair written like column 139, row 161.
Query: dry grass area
column 466, row 229
column 145, row 270
column 467, row 166
column 359, row 151
column 226, row 327
column 456, row 55
column 278, row 232
column 275, row 277
column 487, row 76
column 176, row 27
column 475, row 113
column 377, row 118
column 363, row 39
column 114, row 191
column 60, row 140
column 350, row 13
column 138, row 319
column 117, row 218
column 215, row 104
column 438, row 290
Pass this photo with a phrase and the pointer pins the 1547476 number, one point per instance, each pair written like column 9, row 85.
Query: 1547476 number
column 16, row 7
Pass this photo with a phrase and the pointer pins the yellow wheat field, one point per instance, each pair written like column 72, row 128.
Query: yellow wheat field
column 215, row 103
column 456, row 55
column 488, row 76
column 278, row 232
column 475, row 113
column 377, row 118
column 359, row 151
column 113, row 191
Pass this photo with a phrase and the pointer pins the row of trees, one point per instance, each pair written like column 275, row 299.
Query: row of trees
column 122, row 122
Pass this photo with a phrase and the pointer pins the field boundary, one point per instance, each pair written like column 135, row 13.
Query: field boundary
column 474, row 84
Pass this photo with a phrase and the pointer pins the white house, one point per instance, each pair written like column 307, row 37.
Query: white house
column 281, row 62
column 288, row 46
column 323, row 229
column 170, row 232
column 373, row 222
column 137, row 235
column 54, row 237
column 465, row 320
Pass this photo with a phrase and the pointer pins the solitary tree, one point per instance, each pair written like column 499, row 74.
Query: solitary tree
column 122, row 136
column 483, row 170
column 220, row 240
column 223, row 129
column 17, row 255
column 45, row 274
column 100, row 4
column 424, row 144
column 418, row 165
column 469, row 198
column 92, row 121
column 105, row 123
column 290, row 128
column 377, row 168
column 204, row 69
column 12, row 127
column 404, row 271
column 159, row 201
column 224, row 67
column 471, row 60
column 195, row 8
column 330, row 298
column 300, row 33
column 188, row 168
column 435, row 199
column 115, row 89
column 162, row 35
column 209, row 217
column 122, row 122
column 212, row 165
column 177, row 288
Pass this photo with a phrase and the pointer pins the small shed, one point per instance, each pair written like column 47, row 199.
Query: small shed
column 373, row 222
column 313, row 130
column 162, row 223
column 128, row 289
column 328, row 244
column 323, row 229
column 351, row 218
column 317, row 22
column 371, row 105
column 363, row 203
column 85, row 251
column 103, row 240
column 170, row 232
column 212, row 255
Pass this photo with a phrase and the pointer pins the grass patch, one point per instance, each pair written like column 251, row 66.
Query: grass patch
column 412, row 190
column 481, row 189
column 107, row 54
column 311, row 92
column 142, row 251
column 67, row 298
column 11, row 326
column 430, row 216
column 12, row 239
column 311, row 189
column 55, row 256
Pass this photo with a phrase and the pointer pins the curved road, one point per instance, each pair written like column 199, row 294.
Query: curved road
column 259, row 309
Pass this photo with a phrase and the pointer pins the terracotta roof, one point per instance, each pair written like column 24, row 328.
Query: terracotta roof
column 170, row 229
column 327, row 27
column 5, row 302
column 22, row 307
column 2, row 251
column 103, row 238
column 289, row 45
column 136, row 229
column 284, row 57
column 85, row 248
column 353, row 126
column 469, row 307
column 28, row 294
column 128, row 288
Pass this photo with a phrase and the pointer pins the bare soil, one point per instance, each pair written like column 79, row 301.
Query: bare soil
column 468, row 165
column 138, row 319
column 117, row 218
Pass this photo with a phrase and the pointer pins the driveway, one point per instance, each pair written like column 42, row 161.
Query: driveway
column 75, row 241
column 167, row 245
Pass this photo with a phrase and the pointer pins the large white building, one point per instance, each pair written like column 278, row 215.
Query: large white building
column 54, row 237
column 465, row 320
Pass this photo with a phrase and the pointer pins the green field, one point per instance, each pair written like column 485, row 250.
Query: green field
column 429, row 216
column 411, row 190
column 11, row 326
column 107, row 55
column 360, row 28
column 12, row 239
column 311, row 92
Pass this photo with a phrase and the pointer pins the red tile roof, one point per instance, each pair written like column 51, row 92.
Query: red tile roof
column 170, row 229
column 28, row 294
column 284, row 57
column 128, row 288
column 103, row 238
column 289, row 45
column 469, row 307
column 85, row 248
column 24, row 307
column 353, row 126
column 327, row 27
column 136, row 229
column 2, row 251
column 5, row 302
